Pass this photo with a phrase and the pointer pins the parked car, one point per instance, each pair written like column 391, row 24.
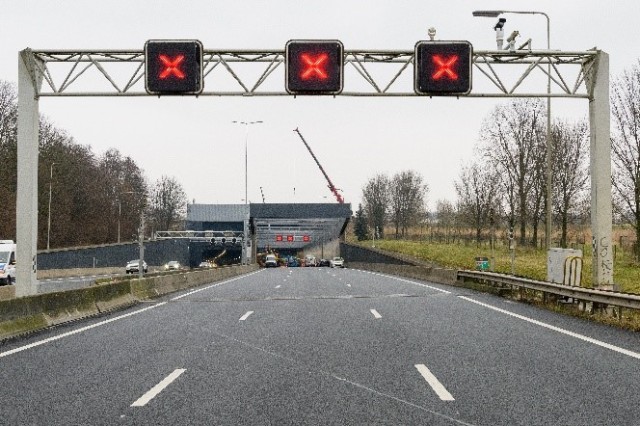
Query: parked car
column 337, row 262
column 134, row 265
column 324, row 262
column 271, row 261
column 172, row 265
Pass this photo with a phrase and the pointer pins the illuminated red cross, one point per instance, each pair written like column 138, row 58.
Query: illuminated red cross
column 314, row 66
column 171, row 67
column 444, row 67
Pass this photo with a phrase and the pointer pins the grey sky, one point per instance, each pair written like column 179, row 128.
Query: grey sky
column 354, row 138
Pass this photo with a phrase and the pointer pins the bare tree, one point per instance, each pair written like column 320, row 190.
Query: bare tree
column 571, row 171
column 446, row 218
column 407, row 192
column 625, row 148
column 376, row 198
column 512, row 140
column 168, row 203
column 477, row 192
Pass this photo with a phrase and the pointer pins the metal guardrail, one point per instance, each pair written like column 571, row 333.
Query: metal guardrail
column 614, row 298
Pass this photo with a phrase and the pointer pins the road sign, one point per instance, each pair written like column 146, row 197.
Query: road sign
column 443, row 68
column 314, row 67
column 173, row 67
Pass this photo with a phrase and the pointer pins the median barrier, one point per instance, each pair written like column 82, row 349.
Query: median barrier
column 19, row 316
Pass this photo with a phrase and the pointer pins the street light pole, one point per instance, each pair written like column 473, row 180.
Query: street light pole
column 140, row 234
column 246, row 124
column 119, row 215
column 49, row 220
column 549, row 156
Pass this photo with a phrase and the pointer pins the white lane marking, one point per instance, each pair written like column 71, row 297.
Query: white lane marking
column 278, row 286
column 245, row 316
column 435, row 384
column 154, row 391
column 376, row 314
column 214, row 285
column 412, row 282
column 582, row 337
column 80, row 330
column 348, row 285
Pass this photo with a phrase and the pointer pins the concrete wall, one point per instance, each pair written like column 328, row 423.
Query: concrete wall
column 360, row 254
column 156, row 253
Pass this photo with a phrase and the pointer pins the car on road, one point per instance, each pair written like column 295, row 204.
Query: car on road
column 134, row 265
column 7, row 262
column 324, row 262
column 310, row 260
column 271, row 261
column 206, row 265
column 337, row 262
column 172, row 265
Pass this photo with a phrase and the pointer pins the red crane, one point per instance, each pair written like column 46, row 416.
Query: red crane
column 331, row 186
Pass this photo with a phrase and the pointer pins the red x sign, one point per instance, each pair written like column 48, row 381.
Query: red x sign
column 314, row 66
column 171, row 66
column 444, row 67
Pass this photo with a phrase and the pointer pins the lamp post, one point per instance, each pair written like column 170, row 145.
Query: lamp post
column 548, row 171
column 49, row 219
column 119, row 214
column 246, row 125
column 140, row 235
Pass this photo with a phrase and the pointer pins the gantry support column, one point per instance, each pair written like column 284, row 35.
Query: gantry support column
column 29, row 82
column 597, row 79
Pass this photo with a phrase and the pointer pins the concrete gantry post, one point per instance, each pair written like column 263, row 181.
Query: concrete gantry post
column 597, row 78
column 29, row 82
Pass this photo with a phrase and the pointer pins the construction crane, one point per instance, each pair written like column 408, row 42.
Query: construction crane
column 331, row 186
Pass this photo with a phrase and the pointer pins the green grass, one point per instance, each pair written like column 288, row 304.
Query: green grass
column 529, row 262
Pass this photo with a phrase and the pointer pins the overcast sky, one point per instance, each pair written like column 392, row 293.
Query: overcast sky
column 195, row 141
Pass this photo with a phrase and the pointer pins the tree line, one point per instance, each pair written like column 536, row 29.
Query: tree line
column 504, row 189
column 95, row 199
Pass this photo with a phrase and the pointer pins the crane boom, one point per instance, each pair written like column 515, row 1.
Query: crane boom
column 331, row 186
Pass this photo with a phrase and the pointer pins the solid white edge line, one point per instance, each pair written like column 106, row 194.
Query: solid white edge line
column 80, row 330
column 245, row 316
column 154, row 391
column 376, row 314
column 582, row 337
column 110, row 320
column 278, row 286
column 435, row 384
column 214, row 285
column 409, row 282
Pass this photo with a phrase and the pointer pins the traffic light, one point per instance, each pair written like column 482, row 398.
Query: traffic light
column 314, row 67
column 173, row 67
column 443, row 68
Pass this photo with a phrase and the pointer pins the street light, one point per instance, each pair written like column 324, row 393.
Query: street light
column 246, row 174
column 49, row 220
column 549, row 175
column 140, row 235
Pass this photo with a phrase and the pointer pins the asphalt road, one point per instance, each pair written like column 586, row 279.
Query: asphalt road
column 323, row 346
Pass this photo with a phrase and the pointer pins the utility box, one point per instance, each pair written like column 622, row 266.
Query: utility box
column 564, row 266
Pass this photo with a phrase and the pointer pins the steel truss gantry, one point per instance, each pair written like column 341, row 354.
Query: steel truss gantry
column 497, row 74
column 261, row 73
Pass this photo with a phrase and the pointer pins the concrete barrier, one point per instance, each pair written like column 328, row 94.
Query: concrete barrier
column 26, row 314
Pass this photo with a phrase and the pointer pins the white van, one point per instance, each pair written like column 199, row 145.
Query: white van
column 7, row 262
